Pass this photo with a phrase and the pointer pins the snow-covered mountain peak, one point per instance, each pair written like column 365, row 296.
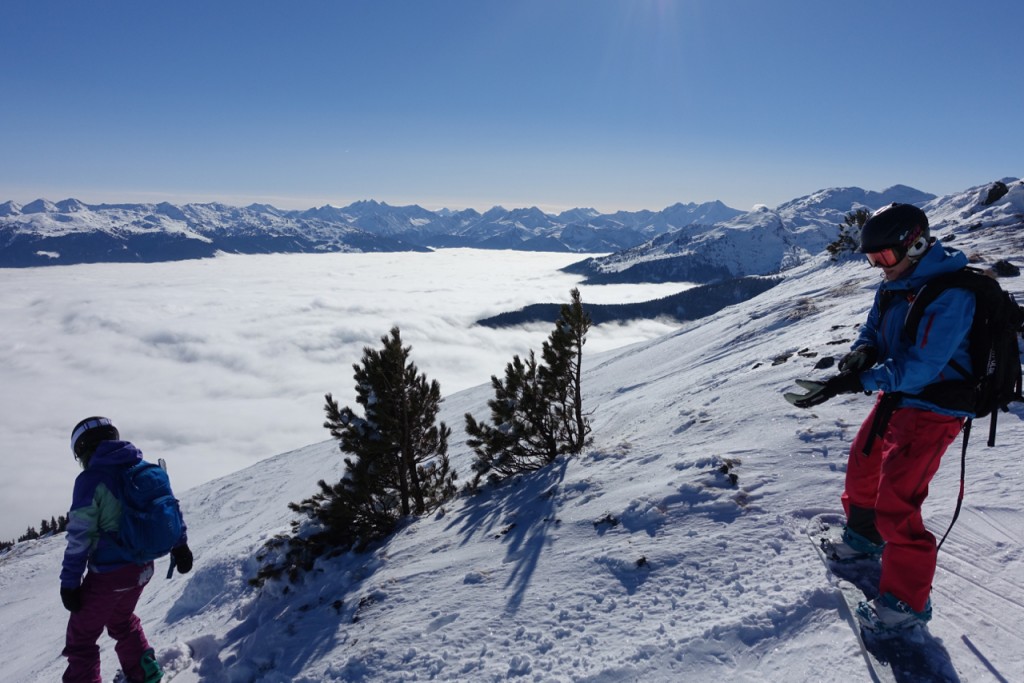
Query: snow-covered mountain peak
column 363, row 206
column 70, row 206
column 578, row 214
column 39, row 206
column 494, row 212
column 849, row 198
column 992, row 204
column 265, row 208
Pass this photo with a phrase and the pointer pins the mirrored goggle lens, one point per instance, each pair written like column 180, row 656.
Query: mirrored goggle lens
column 886, row 258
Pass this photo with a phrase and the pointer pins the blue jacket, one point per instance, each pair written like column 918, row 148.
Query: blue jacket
column 95, row 516
column 908, row 366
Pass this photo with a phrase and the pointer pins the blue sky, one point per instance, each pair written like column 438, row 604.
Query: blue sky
column 615, row 104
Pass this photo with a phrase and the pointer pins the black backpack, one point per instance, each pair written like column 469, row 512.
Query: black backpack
column 995, row 356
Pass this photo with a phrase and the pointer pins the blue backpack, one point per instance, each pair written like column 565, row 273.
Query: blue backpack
column 151, row 522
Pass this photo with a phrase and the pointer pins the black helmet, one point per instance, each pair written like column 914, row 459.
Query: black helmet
column 902, row 227
column 88, row 434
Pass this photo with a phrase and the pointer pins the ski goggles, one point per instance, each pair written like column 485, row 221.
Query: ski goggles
column 885, row 258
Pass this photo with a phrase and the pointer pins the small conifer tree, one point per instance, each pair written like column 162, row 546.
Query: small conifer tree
column 537, row 409
column 563, row 370
column 398, row 464
column 848, row 241
column 523, row 433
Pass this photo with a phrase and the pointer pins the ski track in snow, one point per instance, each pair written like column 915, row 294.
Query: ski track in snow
column 673, row 549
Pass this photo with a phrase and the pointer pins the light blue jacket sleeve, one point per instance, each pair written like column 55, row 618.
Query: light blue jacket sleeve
column 82, row 531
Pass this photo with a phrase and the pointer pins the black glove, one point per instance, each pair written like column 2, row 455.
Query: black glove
column 819, row 392
column 860, row 359
column 72, row 598
column 182, row 558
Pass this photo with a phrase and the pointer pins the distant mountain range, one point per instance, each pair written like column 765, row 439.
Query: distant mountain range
column 697, row 243
column 733, row 255
column 71, row 232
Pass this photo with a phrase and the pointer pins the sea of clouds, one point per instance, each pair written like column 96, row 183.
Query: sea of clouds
column 215, row 364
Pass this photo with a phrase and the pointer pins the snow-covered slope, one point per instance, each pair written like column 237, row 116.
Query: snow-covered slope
column 673, row 549
column 759, row 242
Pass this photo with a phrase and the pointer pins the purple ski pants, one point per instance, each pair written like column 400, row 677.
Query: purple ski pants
column 108, row 602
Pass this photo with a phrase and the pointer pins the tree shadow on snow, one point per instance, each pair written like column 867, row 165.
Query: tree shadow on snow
column 284, row 628
column 517, row 513
column 259, row 642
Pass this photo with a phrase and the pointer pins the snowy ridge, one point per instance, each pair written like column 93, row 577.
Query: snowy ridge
column 760, row 242
column 672, row 550
column 73, row 232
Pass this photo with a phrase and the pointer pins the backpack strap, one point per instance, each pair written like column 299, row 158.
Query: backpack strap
column 963, row 472
column 965, row 278
column 954, row 394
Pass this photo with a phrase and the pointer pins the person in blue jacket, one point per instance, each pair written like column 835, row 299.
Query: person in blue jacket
column 113, row 583
column 898, row 448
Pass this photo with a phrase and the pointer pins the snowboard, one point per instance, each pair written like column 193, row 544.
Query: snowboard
column 911, row 657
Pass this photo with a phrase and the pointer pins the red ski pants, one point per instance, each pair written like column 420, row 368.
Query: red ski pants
column 108, row 602
column 893, row 481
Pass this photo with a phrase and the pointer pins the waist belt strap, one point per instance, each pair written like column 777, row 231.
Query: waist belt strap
column 883, row 413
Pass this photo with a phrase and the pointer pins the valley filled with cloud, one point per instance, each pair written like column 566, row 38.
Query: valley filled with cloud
column 214, row 364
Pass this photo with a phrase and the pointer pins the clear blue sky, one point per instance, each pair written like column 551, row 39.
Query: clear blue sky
column 615, row 104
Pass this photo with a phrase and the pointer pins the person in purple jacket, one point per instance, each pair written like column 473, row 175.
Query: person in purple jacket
column 113, row 582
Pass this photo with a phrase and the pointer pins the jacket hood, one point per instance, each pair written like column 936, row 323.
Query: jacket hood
column 937, row 260
column 115, row 453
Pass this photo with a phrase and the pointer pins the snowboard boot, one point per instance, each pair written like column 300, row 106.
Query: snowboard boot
column 151, row 667
column 886, row 615
column 851, row 547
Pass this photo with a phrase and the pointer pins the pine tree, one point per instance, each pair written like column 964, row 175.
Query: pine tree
column 563, row 371
column 537, row 410
column 848, row 241
column 399, row 454
column 523, row 433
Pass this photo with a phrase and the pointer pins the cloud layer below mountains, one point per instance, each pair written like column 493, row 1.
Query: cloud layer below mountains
column 217, row 363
